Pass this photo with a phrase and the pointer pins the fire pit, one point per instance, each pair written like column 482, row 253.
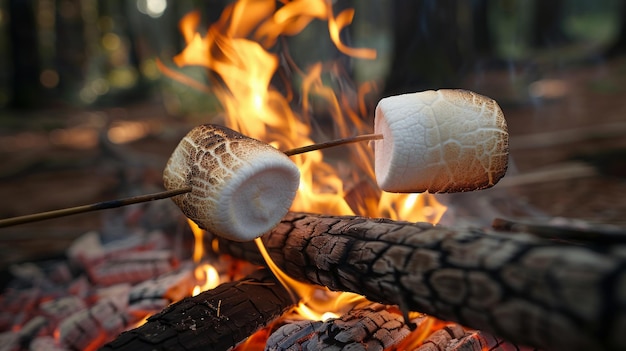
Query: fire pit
column 493, row 281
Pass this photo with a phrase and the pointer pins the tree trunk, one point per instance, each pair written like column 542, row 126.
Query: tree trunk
column 216, row 319
column 529, row 290
column 428, row 46
column 618, row 47
column 25, row 85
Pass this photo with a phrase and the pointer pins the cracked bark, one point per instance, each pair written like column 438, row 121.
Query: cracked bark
column 216, row 319
column 528, row 290
column 369, row 326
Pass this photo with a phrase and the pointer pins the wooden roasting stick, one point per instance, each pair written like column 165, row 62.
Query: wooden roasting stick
column 178, row 189
column 239, row 187
column 216, row 319
column 526, row 289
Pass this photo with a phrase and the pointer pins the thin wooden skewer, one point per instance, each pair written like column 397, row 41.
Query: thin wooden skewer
column 332, row 143
column 92, row 207
column 163, row 194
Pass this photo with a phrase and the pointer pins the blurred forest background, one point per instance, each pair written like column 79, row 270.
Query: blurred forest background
column 97, row 52
column 86, row 115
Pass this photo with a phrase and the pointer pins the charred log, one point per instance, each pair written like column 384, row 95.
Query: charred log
column 369, row 326
column 478, row 341
column 216, row 319
column 526, row 289
column 444, row 339
column 573, row 235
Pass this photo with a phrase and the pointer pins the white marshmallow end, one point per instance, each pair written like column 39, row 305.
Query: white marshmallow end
column 241, row 187
column 440, row 141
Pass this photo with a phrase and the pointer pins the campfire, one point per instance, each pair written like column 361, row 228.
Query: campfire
column 348, row 265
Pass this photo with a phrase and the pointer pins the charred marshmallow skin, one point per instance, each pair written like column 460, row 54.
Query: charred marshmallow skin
column 241, row 187
column 440, row 141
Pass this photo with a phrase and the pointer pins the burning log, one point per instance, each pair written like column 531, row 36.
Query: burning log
column 58, row 309
column 171, row 287
column 134, row 260
column 17, row 306
column 46, row 343
column 443, row 338
column 216, row 319
column 454, row 338
column 477, row 341
column 526, row 289
column 293, row 335
column 133, row 268
column 92, row 326
column 370, row 326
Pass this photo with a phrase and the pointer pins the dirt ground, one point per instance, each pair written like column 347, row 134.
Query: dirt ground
column 568, row 153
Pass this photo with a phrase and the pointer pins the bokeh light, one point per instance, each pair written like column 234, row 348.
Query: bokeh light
column 152, row 8
column 49, row 78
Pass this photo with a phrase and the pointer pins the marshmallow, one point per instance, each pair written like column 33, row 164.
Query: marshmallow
column 241, row 187
column 439, row 141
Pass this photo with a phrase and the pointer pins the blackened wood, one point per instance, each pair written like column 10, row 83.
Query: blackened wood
column 526, row 289
column 476, row 340
column 595, row 235
column 216, row 319
column 444, row 338
column 369, row 326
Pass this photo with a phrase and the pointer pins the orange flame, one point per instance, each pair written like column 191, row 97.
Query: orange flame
column 198, row 235
column 315, row 303
column 417, row 336
column 411, row 207
column 236, row 49
column 206, row 275
column 239, row 52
